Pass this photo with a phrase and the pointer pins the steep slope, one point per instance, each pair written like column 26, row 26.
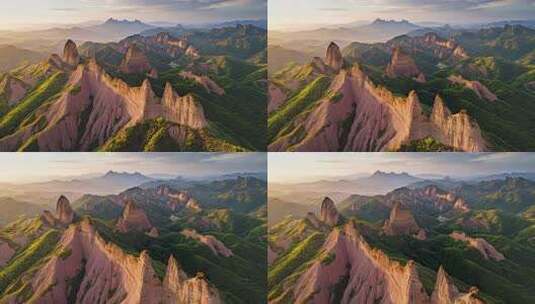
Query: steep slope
column 346, row 269
column 401, row 222
column 353, row 114
column 88, row 268
column 133, row 219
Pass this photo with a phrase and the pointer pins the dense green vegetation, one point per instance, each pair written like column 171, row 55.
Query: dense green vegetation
column 301, row 102
column 43, row 92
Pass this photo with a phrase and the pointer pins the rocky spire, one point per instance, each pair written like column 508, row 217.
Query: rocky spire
column 184, row 110
column 70, row 53
column 133, row 219
column 174, row 277
column 64, row 212
column 440, row 112
column 328, row 213
column 334, row 57
column 445, row 291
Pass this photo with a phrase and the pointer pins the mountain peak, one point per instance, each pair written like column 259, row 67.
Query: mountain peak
column 401, row 222
column 328, row 213
column 70, row 53
column 334, row 57
column 64, row 212
column 133, row 219
column 135, row 61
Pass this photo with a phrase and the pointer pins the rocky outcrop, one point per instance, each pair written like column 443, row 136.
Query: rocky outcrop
column 217, row 247
column 6, row 252
column 135, row 61
column 362, row 274
column 70, row 54
column 356, row 115
column 133, row 219
column 184, row 110
column 328, row 213
column 208, row 84
column 334, row 58
column 104, row 269
column 94, row 107
column 180, row 289
column 401, row 222
column 12, row 89
column 64, row 213
column 456, row 130
column 485, row 248
column 477, row 87
column 369, row 273
column 446, row 292
column 402, row 65
column 441, row 48
column 276, row 97
column 154, row 233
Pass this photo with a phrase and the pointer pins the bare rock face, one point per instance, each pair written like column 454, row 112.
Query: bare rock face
column 359, row 116
column 64, row 213
column 192, row 52
column 13, row 89
column 370, row 274
column 457, row 130
column 446, row 292
column 402, row 65
column 328, row 213
column 481, row 91
column 401, row 222
column 154, row 233
column 133, row 219
column 276, row 97
column 105, row 269
column 208, row 84
column 442, row 48
column 193, row 205
column 6, row 252
column 70, row 54
column 334, row 57
column 135, row 61
column 217, row 247
column 97, row 106
column 485, row 248
column 182, row 110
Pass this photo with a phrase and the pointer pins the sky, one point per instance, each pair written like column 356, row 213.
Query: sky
column 32, row 167
column 25, row 13
column 306, row 167
column 314, row 13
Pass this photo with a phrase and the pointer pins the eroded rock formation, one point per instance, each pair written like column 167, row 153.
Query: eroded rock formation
column 401, row 222
column 356, row 115
column 402, row 65
column 481, row 91
column 12, row 89
column 135, row 61
column 208, row 84
column 485, row 248
column 70, row 54
column 133, row 219
column 6, row 252
column 217, row 247
column 104, row 269
column 328, row 213
column 97, row 106
column 276, row 97
column 446, row 292
column 334, row 58
column 64, row 213
column 369, row 276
